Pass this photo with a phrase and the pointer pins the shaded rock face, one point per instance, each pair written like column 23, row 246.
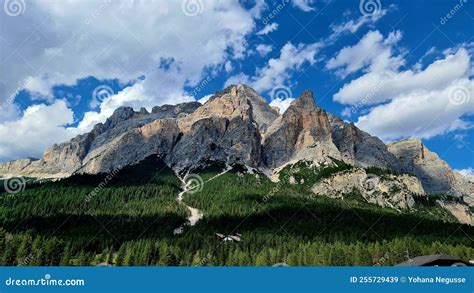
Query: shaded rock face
column 225, row 129
column 394, row 191
column 131, row 147
column 221, row 130
column 117, row 142
column 359, row 148
column 434, row 173
column 95, row 151
column 302, row 132
column 188, row 135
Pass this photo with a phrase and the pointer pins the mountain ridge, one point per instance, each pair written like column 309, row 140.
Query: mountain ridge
column 236, row 126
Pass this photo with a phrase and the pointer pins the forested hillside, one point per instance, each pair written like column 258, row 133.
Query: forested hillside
column 130, row 220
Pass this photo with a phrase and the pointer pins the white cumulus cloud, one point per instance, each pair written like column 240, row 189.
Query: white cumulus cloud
column 281, row 104
column 264, row 49
column 420, row 102
column 268, row 29
column 371, row 50
column 305, row 5
column 66, row 41
column 278, row 70
column 39, row 127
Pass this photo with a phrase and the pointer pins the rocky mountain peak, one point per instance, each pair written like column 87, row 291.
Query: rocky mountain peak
column 302, row 132
column 236, row 125
column 143, row 111
column 434, row 173
column 229, row 102
column 122, row 114
column 243, row 95
column 305, row 100
column 304, row 111
column 172, row 111
column 412, row 151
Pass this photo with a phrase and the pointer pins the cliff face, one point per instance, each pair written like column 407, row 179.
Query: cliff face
column 394, row 191
column 91, row 152
column 302, row 132
column 16, row 167
column 236, row 125
column 224, row 129
column 433, row 172
column 359, row 148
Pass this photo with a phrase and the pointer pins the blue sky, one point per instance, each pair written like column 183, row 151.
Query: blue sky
column 397, row 69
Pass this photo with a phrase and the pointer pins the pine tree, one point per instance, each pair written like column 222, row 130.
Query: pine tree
column 119, row 260
column 129, row 257
column 66, row 256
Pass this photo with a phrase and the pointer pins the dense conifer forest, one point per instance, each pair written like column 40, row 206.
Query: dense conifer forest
column 128, row 218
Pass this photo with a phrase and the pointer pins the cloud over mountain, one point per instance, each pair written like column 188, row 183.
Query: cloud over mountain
column 418, row 102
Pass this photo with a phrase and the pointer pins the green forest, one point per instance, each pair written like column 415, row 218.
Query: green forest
column 127, row 219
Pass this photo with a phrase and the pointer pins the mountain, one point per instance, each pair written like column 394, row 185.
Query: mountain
column 236, row 126
column 131, row 217
column 434, row 173
column 303, row 187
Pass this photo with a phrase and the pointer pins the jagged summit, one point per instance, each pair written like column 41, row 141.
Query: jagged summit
column 235, row 126
column 262, row 113
column 306, row 99
column 302, row 132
